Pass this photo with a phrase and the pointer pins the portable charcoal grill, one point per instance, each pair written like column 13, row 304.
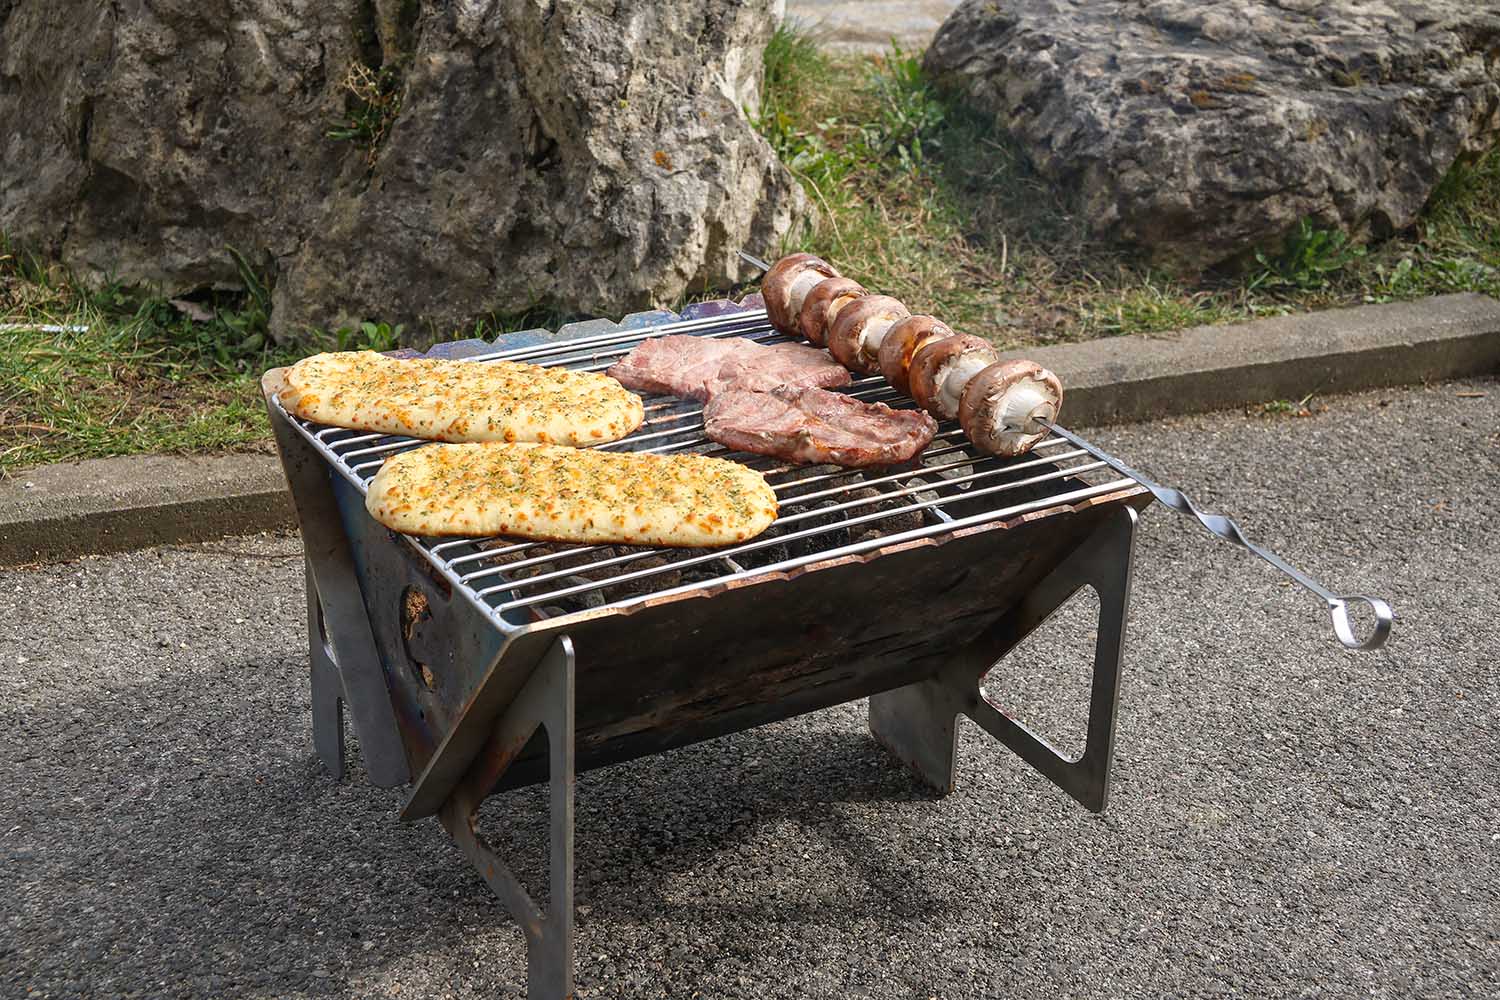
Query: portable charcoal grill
column 904, row 585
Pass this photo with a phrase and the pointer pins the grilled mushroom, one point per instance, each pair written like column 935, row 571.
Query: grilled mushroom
column 904, row 340
column 1001, row 405
column 941, row 369
column 786, row 286
column 823, row 304
column 855, row 336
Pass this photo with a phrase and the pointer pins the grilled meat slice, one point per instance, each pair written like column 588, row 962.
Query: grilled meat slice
column 676, row 365
column 791, row 366
column 814, row 426
column 698, row 367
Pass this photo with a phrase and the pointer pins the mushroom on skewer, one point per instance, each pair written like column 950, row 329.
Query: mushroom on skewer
column 856, row 335
column 823, row 304
column 940, row 371
column 903, row 341
column 787, row 285
column 1001, row 405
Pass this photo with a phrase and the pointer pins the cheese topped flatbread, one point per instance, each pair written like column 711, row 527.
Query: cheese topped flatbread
column 460, row 400
column 558, row 494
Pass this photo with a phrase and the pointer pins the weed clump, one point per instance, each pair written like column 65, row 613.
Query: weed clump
column 373, row 103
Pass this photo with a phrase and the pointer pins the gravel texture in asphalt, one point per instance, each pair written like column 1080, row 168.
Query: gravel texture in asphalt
column 1288, row 819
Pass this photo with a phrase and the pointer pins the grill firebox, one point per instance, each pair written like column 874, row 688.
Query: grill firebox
column 903, row 585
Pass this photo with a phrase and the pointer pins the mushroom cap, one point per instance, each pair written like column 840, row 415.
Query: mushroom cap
column 824, row 302
column 904, row 340
column 845, row 336
column 780, row 288
column 982, row 410
column 934, row 359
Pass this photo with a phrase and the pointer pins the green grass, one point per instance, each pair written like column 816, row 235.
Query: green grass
column 123, row 372
column 923, row 199
column 137, row 376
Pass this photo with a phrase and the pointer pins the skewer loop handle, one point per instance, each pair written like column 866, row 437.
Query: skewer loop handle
column 1339, row 609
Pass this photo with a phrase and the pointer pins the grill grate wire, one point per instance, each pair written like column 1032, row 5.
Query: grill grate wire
column 826, row 512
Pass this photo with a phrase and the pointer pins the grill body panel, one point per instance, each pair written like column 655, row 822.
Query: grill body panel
column 694, row 667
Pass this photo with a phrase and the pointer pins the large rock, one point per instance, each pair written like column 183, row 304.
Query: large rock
column 1199, row 129
column 590, row 154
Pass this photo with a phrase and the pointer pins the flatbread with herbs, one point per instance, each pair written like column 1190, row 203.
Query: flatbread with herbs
column 557, row 494
column 460, row 400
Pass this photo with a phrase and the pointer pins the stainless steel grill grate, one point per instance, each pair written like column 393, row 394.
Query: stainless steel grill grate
column 826, row 512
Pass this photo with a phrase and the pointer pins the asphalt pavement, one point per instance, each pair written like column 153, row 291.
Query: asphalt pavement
column 1288, row 820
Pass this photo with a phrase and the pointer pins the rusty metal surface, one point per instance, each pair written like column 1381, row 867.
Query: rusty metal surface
column 434, row 647
column 917, row 722
column 909, row 612
column 861, row 619
column 338, row 621
column 544, row 705
column 680, row 671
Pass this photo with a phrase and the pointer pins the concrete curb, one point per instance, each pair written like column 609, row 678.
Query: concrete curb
column 1128, row 379
column 108, row 505
column 60, row 512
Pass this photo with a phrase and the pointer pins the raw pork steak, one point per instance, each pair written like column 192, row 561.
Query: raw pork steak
column 699, row 367
column 815, row 426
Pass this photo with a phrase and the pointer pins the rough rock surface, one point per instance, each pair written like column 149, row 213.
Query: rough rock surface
column 588, row 154
column 1198, row 130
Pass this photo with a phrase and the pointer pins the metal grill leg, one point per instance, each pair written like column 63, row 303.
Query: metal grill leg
column 546, row 701
column 327, row 689
column 917, row 722
column 337, row 608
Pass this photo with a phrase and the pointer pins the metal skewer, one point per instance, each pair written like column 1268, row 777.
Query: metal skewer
column 1338, row 604
column 1227, row 529
column 752, row 259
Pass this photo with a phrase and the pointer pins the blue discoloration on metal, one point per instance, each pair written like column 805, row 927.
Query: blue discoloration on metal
column 456, row 349
column 588, row 328
column 718, row 307
column 522, row 338
column 585, row 328
column 656, row 317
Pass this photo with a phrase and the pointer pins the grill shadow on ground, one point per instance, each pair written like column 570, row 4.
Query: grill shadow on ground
column 689, row 811
column 210, row 815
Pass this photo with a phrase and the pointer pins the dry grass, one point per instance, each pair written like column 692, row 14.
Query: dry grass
column 925, row 200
